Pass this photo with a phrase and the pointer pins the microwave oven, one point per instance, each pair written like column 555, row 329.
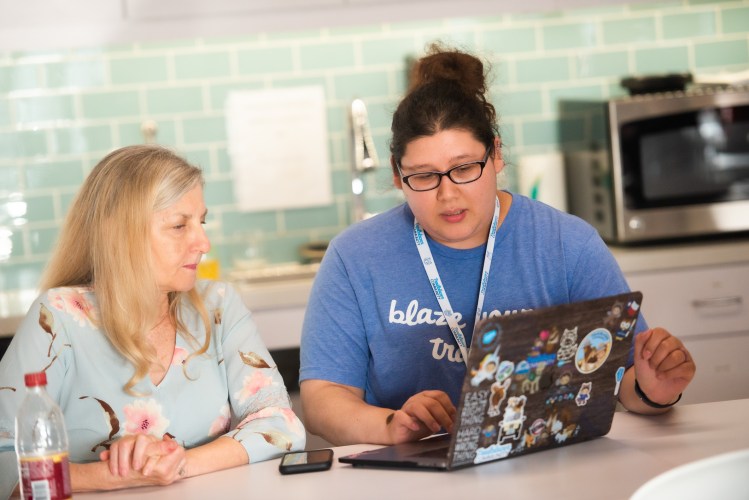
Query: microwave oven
column 659, row 166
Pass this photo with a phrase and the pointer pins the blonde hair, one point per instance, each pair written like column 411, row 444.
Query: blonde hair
column 104, row 243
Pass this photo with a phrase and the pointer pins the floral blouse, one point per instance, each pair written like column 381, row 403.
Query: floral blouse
column 233, row 390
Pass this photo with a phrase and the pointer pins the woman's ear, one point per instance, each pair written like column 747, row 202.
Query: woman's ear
column 499, row 163
column 396, row 176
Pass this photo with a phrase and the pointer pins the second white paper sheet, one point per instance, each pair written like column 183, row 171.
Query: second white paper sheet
column 278, row 148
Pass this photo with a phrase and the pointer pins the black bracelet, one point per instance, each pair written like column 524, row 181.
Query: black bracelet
column 647, row 401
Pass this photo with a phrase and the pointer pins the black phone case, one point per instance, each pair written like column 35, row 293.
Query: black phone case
column 308, row 467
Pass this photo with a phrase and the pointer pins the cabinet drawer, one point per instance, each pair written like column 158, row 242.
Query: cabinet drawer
column 722, row 370
column 695, row 301
column 280, row 328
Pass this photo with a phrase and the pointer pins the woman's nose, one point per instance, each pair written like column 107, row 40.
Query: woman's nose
column 446, row 188
column 203, row 243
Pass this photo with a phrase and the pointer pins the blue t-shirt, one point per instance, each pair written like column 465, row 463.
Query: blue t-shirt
column 372, row 321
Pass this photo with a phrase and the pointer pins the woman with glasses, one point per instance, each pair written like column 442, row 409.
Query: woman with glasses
column 394, row 304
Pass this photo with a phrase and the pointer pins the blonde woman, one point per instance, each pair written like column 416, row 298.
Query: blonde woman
column 160, row 377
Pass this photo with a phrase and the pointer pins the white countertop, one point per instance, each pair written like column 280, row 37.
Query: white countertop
column 636, row 259
column 637, row 449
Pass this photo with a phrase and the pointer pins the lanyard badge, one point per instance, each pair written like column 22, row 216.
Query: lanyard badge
column 438, row 288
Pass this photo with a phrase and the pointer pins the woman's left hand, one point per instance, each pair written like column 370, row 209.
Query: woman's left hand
column 145, row 455
column 663, row 366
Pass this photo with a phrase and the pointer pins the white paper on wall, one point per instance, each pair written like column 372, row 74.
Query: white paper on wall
column 278, row 148
column 542, row 177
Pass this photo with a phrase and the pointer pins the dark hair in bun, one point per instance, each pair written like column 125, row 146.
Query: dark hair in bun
column 446, row 91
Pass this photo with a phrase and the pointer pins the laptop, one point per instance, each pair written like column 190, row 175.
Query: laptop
column 536, row 380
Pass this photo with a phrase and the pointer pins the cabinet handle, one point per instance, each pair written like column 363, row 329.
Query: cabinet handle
column 734, row 300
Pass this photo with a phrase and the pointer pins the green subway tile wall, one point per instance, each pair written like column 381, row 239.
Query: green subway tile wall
column 62, row 110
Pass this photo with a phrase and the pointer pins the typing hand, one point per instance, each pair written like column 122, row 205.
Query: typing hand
column 145, row 459
column 423, row 414
column 663, row 366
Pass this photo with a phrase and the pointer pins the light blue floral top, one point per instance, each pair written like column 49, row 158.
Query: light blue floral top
column 233, row 390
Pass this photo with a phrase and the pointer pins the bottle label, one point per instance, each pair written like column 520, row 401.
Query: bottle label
column 45, row 478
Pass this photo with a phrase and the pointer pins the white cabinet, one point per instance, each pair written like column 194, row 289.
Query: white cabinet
column 35, row 13
column 280, row 328
column 696, row 302
column 707, row 307
column 45, row 24
column 191, row 9
column 278, row 309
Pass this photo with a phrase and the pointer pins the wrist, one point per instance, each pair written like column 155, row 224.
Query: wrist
column 645, row 399
column 388, row 437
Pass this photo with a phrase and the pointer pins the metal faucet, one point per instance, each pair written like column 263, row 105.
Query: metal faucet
column 364, row 157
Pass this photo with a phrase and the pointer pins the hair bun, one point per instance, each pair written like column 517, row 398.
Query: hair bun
column 464, row 69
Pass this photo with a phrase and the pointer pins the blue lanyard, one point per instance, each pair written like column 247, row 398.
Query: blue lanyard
column 438, row 288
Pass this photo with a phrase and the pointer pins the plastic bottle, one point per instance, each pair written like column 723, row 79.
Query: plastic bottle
column 41, row 444
column 209, row 267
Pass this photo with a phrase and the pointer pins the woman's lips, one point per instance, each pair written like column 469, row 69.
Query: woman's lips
column 192, row 267
column 454, row 215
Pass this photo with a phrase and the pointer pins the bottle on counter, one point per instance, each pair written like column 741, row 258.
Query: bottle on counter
column 209, row 267
column 41, row 444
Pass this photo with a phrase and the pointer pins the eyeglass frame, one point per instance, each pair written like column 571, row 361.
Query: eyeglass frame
column 446, row 173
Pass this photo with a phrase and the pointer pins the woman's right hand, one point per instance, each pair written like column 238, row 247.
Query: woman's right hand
column 422, row 414
column 145, row 460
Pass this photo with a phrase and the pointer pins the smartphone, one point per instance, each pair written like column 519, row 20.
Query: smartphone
column 306, row 461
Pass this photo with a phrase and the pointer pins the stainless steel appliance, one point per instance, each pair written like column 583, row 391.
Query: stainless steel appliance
column 660, row 165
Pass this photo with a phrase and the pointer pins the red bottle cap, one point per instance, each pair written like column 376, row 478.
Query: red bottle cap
column 35, row 379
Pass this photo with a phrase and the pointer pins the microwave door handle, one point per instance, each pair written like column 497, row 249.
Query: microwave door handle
column 731, row 161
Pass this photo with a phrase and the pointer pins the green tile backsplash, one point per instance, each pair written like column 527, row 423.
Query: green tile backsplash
column 629, row 30
column 77, row 74
column 718, row 54
column 214, row 64
column 110, row 105
column 62, row 110
column 662, row 59
column 138, row 69
column 570, row 36
column 691, row 24
column 265, row 60
column 735, row 20
column 79, row 140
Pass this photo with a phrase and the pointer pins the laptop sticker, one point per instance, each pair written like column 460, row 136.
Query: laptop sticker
column 593, row 350
column 489, row 337
column 488, row 435
column 505, row 370
column 533, row 378
column 614, row 315
column 498, row 395
column 534, row 433
column 563, row 391
column 512, row 421
column 583, row 395
column 618, row 376
column 567, row 346
column 487, row 368
column 493, row 452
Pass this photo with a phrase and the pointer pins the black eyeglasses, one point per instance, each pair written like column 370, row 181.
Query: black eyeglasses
column 459, row 174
